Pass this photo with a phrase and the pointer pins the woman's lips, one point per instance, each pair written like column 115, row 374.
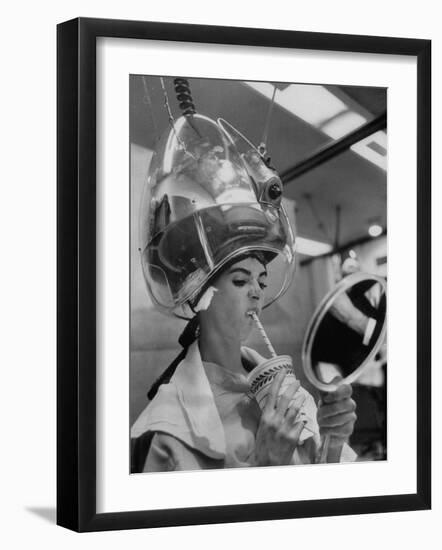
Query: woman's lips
column 251, row 312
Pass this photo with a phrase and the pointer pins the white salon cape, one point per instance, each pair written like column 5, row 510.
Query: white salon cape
column 205, row 418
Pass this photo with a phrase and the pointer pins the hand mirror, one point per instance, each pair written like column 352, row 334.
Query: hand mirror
column 346, row 331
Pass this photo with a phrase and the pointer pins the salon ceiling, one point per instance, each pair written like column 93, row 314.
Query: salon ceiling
column 348, row 181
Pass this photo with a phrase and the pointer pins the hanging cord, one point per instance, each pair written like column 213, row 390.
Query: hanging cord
column 188, row 336
column 262, row 148
column 148, row 101
column 171, row 119
column 185, row 101
column 184, row 96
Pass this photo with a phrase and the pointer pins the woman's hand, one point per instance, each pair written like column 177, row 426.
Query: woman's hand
column 279, row 428
column 336, row 418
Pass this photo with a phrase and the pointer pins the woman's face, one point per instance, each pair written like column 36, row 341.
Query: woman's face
column 241, row 289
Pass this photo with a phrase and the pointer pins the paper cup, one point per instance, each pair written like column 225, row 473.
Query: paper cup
column 262, row 376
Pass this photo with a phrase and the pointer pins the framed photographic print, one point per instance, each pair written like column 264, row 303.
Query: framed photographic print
column 231, row 205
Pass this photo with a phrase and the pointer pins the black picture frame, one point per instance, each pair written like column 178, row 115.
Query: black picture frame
column 77, row 287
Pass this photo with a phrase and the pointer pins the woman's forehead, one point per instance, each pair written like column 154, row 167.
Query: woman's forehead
column 250, row 264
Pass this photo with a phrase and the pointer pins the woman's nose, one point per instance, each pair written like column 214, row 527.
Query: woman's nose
column 255, row 291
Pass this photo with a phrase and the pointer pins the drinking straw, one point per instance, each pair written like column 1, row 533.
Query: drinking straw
column 263, row 333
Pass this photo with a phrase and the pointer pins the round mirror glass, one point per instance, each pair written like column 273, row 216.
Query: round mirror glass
column 346, row 331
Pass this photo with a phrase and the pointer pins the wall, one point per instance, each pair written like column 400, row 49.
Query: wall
column 27, row 223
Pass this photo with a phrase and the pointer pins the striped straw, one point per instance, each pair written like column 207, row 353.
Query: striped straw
column 263, row 333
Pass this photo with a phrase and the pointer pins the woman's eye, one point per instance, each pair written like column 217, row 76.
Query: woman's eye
column 262, row 285
column 239, row 283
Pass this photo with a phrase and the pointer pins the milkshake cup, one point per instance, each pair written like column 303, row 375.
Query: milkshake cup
column 262, row 376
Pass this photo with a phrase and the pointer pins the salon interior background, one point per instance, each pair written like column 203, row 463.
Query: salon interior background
column 328, row 143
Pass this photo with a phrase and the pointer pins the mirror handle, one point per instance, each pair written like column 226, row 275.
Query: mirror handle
column 324, row 450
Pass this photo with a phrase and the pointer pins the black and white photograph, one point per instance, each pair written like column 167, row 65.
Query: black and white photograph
column 258, row 273
column 220, row 260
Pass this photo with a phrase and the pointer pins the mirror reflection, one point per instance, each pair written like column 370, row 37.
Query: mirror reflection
column 348, row 331
column 345, row 343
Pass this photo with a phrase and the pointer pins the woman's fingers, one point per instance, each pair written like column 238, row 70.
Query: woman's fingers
column 338, row 420
column 252, row 355
column 274, row 390
column 285, row 398
column 280, row 425
column 296, row 431
column 340, row 432
column 339, row 407
column 293, row 411
column 343, row 392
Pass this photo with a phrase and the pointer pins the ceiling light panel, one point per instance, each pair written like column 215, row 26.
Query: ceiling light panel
column 377, row 155
column 343, row 124
column 310, row 247
column 312, row 103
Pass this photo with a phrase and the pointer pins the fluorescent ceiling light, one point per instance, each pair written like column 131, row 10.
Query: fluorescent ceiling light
column 311, row 248
column 343, row 124
column 373, row 148
column 314, row 104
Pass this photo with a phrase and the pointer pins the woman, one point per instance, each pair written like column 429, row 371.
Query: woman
column 206, row 418
column 212, row 228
